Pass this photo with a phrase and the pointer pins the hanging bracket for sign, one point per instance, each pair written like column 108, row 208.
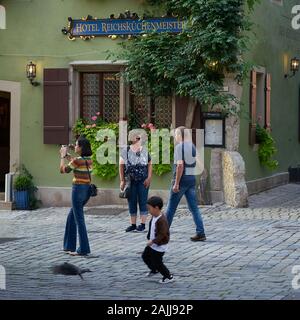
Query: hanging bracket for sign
column 126, row 25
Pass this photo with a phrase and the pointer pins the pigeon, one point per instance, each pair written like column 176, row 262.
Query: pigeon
column 69, row 269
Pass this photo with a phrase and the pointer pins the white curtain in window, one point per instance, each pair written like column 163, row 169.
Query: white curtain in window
column 2, row 18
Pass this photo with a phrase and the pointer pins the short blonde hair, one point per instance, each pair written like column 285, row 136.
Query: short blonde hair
column 185, row 133
column 137, row 133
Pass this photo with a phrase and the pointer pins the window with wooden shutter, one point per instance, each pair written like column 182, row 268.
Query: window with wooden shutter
column 56, row 106
column 260, row 102
column 139, row 110
column 268, row 103
column 155, row 110
column 100, row 92
column 163, row 112
column 111, row 97
column 252, row 125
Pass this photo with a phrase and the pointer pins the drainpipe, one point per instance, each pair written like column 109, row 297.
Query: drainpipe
column 8, row 187
column 2, row 18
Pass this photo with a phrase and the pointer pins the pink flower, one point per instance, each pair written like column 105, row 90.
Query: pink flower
column 98, row 113
column 94, row 118
column 88, row 127
column 152, row 129
column 94, row 125
column 150, row 125
column 144, row 126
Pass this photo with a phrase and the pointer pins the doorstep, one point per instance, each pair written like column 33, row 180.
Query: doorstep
column 6, row 205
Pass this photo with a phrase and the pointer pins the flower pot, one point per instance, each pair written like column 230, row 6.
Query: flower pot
column 21, row 200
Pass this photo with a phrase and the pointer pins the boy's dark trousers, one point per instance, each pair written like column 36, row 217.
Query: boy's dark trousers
column 154, row 261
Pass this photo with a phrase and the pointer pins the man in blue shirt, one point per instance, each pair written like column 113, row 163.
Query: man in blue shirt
column 184, row 181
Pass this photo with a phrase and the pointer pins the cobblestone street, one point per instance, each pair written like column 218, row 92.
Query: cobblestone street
column 249, row 253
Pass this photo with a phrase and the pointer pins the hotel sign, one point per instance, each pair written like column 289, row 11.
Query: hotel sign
column 109, row 27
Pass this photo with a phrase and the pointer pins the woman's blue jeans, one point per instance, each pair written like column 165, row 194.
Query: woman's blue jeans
column 189, row 190
column 138, row 195
column 75, row 221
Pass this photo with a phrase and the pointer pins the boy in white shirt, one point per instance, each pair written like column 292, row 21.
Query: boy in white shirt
column 158, row 236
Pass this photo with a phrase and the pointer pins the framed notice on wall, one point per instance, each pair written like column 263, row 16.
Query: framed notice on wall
column 214, row 130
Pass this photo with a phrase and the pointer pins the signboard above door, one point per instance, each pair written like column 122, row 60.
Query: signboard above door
column 89, row 27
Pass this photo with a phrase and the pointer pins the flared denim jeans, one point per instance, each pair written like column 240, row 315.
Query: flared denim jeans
column 76, row 222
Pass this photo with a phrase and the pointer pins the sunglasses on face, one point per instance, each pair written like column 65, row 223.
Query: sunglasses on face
column 136, row 139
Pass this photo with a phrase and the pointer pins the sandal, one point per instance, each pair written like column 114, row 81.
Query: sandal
column 75, row 254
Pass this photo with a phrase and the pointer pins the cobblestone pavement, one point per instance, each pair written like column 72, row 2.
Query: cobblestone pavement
column 249, row 253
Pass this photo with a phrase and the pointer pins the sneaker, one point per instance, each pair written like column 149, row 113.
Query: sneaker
column 167, row 280
column 141, row 228
column 198, row 237
column 151, row 273
column 131, row 228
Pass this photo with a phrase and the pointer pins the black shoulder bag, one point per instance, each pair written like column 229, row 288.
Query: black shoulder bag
column 93, row 187
column 125, row 193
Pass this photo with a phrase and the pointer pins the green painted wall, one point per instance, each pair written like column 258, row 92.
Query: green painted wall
column 273, row 45
column 34, row 33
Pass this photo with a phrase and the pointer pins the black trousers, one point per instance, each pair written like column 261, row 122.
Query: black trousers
column 154, row 261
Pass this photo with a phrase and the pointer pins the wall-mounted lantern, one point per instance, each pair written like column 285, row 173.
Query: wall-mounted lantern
column 31, row 73
column 294, row 67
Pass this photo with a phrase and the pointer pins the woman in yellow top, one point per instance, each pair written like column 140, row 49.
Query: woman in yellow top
column 80, row 196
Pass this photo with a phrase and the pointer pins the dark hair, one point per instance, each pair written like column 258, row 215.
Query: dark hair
column 155, row 201
column 85, row 146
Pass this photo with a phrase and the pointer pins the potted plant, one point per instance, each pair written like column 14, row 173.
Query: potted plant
column 266, row 148
column 24, row 190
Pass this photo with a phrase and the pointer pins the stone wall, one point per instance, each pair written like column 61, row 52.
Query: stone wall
column 234, row 184
column 61, row 197
column 227, row 167
column 216, row 179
